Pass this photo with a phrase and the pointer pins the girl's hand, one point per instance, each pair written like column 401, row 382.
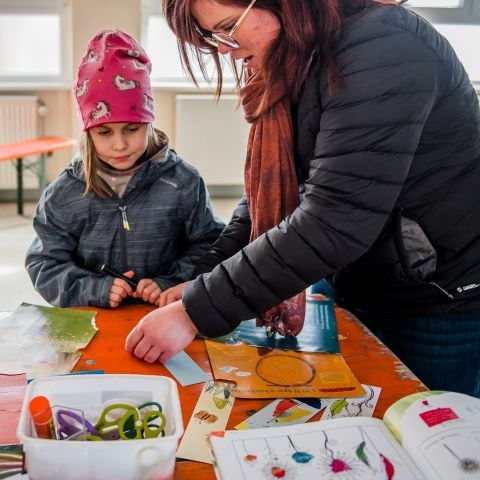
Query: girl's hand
column 171, row 295
column 161, row 334
column 119, row 290
column 148, row 291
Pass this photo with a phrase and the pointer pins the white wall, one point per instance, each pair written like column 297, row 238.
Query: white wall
column 87, row 17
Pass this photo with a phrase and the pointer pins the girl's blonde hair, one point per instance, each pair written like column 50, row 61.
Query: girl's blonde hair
column 94, row 183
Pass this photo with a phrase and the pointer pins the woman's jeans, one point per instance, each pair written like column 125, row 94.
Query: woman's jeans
column 443, row 350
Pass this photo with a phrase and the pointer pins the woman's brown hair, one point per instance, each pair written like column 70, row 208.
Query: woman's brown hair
column 94, row 183
column 305, row 24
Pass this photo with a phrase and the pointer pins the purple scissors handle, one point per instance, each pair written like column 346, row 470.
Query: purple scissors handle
column 70, row 423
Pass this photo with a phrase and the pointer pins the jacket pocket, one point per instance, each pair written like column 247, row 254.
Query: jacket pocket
column 417, row 255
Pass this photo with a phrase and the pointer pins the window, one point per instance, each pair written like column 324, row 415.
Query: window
column 33, row 42
column 459, row 22
column 161, row 45
column 448, row 11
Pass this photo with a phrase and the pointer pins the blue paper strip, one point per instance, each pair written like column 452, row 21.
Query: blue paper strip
column 185, row 370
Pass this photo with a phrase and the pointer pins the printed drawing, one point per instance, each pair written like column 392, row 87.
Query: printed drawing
column 465, row 464
column 285, row 370
column 204, row 416
column 333, row 453
column 221, row 392
column 354, row 407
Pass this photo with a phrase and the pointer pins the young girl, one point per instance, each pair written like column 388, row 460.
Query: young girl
column 128, row 201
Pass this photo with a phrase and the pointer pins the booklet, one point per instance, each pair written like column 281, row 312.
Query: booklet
column 429, row 435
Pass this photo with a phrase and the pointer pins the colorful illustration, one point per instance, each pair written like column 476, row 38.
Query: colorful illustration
column 353, row 407
column 466, row 465
column 340, row 450
column 210, row 415
column 204, row 416
column 275, row 373
column 281, row 412
column 319, row 333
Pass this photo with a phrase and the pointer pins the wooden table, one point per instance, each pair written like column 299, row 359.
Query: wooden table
column 370, row 360
column 43, row 146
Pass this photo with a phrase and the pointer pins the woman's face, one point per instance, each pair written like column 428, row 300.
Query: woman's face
column 254, row 35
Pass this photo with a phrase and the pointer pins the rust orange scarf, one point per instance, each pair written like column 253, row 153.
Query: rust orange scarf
column 271, row 183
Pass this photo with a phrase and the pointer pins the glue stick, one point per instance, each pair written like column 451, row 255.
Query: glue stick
column 41, row 413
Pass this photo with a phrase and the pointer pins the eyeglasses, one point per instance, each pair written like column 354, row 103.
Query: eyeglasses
column 215, row 39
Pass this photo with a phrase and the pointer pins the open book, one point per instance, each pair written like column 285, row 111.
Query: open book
column 429, row 435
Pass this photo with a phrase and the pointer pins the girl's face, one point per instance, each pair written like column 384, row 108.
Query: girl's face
column 120, row 144
column 254, row 35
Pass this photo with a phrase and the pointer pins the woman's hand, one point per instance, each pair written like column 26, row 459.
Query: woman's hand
column 148, row 291
column 172, row 294
column 119, row 290
column 161, row 334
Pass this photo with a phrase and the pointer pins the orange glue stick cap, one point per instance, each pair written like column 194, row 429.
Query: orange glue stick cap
column 41, row 413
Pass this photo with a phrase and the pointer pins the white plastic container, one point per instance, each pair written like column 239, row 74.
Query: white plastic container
column 144, row 459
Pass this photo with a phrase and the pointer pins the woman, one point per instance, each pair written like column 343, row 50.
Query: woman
column 383, row 125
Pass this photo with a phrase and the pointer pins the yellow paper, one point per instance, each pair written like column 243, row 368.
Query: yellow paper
column 210, row 414
column 261, row 373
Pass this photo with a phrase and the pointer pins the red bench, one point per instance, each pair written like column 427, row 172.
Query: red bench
column 43, row 146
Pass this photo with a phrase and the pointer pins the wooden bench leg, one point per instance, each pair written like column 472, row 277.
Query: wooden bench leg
column 20, row 186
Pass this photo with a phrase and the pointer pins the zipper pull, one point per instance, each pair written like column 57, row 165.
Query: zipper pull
column 123, row 211
column 449, row 295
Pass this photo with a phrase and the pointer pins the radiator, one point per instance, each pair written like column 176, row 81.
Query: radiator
column 212, row 137
column 18, row 121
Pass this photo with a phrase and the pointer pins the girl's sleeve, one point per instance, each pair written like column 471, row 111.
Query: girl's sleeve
column 233, row 237
column 201, row 230
column 368, row 134
column 50, row 259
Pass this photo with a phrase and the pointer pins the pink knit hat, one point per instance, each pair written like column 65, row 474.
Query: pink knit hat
column 113, row 83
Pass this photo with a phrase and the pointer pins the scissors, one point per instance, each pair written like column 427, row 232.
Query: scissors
column 131, row 423
column 73, row 426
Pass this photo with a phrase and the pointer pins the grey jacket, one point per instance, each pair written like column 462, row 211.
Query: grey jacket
column 171, row 225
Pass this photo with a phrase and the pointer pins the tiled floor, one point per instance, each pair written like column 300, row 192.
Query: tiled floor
column 16, row 233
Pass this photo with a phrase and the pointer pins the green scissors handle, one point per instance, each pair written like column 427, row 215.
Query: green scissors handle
column 131, row 425
column 153, row 430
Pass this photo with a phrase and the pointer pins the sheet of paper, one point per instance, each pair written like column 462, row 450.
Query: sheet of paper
column 353, row 407
column 50, row 335
column 185, row 370
column 12, row 392
column 210, row 414
column 280, row 413
column 261, row 373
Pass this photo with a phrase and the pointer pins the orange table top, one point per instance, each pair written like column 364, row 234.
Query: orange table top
column 35, row 146
column 369, row 359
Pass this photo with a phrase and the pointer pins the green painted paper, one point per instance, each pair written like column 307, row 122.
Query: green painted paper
column 41, row 341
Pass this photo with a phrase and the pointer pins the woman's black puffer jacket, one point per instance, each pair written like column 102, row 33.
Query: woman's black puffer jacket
column 390, row 169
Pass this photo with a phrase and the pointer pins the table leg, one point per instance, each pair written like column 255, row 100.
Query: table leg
column 20, row 186
column 42, row 175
